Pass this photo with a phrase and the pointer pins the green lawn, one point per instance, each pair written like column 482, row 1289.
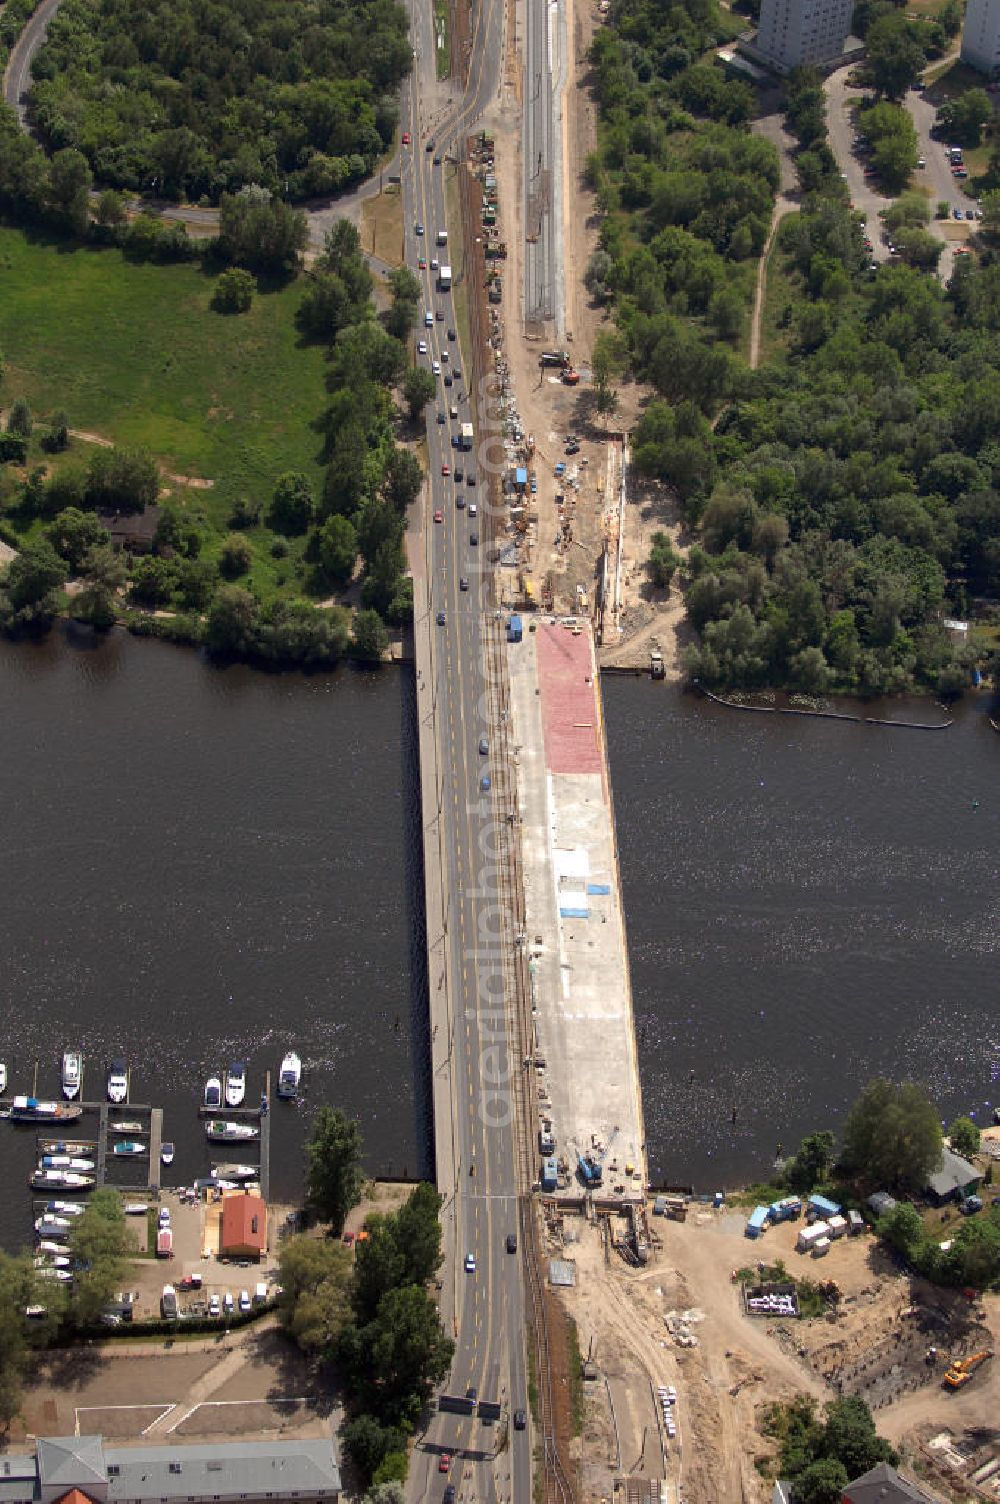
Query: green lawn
column 136, row 354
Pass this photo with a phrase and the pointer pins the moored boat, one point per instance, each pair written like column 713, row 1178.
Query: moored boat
column 68, row 1146
column 54, row 1262
column 46, row 1179
column 118, row 1081
column 3, row 1077
column 235, row 1172
column 167, row 1152
column 128, row 1125
column 72, row 1074
column 31, row 1110
column 58, row 1231
column 128, row 1147
column 56, row 1250
column 66, row 1162
column 64, row 1208
column 213, row 1092
column 236, row 1084
column 47, row 1272
column 290, row 1075
column 221, row 1132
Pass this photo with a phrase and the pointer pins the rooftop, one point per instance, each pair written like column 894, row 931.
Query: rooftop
column 883, row 1485
column 952, row 1174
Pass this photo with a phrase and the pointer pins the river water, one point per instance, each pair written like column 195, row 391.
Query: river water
column 205, row 865
column 809, row 903
column 202, row 865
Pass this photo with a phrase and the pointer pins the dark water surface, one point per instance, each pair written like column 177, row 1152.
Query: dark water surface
column 201, row 865
column 808, row 904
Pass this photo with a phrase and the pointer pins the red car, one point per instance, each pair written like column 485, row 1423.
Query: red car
column 422, row 264
column 444, row 1462
column 446, row 468
column 438, row 517
column 406, row 138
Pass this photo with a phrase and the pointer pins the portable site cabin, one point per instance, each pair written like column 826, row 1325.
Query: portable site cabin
column 550, row 1174
column 660, row 1206
column 820, row 1248
column 855, row 1222
column 810, row 1236
column 838, row 1226
column 787, row 1209
column 819, row 1206
column 757, row 1221
column 515, row 631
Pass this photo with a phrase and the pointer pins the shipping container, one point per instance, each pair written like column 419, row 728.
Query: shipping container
column 838, row 1226
column 757, row 1221
column 821, row 1207
column 811, row 1235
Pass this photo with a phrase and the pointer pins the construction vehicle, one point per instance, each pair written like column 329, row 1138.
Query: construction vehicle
column 962, row 1370
column 656, row 666
column 570, row 377
column 554, row 358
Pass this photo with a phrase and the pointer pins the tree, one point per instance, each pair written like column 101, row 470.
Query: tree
column 964, row 1137
column 73, row 533
column 367, row 1443
column 892, row 1136
column 962, row 118
column 419, row 387
column 110, row 210
column 231, row 629
column 315, row 1276
column 234, row 291
column 260, row 232
column 20, row 1287
column 810, row 1163
column 895, row 57
column 291, row 509
column 70, row 182
column 122, row 480
column 19, row 418
column 337, row 550
column 235, row 557
column 663, row 561
column 403, row 1248
column 822, row 1482
column 99, row 1242
column 851, row 1437
column 394, row 1360
column 57, row 438
column 386, row 1493
column 29, row 587
column 903, row 1230
column 334, row 1176
column 402, row 479
column 369, row 636
column 104, row 574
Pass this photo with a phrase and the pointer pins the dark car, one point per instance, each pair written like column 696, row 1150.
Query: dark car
column 440, row 618
column 520, row 1420
column 459, row 473
column 430, row 146
column 440, row 417
column 452, row 334
column 448, row 1497
column 448, row 381
column 458, row 373
column 463, row 583
column 512, row 1242
column 470, row 479
column 472, row 1393
column 460, row 502
column 437, row 161
column 473, row 539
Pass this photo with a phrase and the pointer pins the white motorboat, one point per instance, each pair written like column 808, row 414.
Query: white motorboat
column 66, row 1162
column 65, row 1208
column 118, row 1081
column 50, row 1179
column 290, row 1075
column 3, row 1077
column 236, row 1084
column 56, row 1250
column 31, row 1110
column 68, row 1146
column 223, row 1133
column 48, row 1272
column 167, row 1152
column 72, row 1074
column 235, row 1172
column 213, row 1092
column 128, row 1125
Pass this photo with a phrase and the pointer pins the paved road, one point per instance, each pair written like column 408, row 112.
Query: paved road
column 842, row 130
column 17, row 74
column 485, row 1307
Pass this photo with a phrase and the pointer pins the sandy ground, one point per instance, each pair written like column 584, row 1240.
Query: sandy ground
column 873, row 1342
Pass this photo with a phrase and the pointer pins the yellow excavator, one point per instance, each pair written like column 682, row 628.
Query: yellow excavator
column 962, row 1369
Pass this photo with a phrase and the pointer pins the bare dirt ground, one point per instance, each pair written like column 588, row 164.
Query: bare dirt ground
column 636, row 1323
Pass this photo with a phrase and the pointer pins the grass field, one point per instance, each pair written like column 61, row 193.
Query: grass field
column 136, row 354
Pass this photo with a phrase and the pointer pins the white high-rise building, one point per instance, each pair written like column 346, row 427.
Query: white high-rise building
column 981, row 35
column 803, row 31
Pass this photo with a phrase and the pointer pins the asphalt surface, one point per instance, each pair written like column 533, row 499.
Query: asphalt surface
column 936, row 176
column 17, row 74
column 484, row 1306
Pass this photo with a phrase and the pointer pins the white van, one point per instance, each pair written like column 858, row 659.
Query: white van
column 168, row 1302
column 428, row 319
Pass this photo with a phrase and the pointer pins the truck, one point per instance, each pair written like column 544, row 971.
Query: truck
column 570, row 377
column 554, row 358
column 164, row 1243
column 168, row 1302
column 442, row 237
column 444, row 278
column 546, row 1136
column 466, row 436
column 962, row 1369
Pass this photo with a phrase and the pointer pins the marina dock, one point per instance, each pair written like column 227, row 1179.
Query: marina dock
column 102, row 1145
column 155, row 1145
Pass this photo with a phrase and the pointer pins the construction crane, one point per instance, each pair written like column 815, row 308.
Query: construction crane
column 962, row 1370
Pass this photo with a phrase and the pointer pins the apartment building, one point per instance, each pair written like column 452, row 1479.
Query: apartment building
column 804, row 31
column 981, row 35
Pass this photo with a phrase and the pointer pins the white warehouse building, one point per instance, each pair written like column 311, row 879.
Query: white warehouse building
column 981, row 35
column 803, row 31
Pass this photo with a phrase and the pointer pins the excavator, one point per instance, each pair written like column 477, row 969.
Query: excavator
column 962, row 1369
